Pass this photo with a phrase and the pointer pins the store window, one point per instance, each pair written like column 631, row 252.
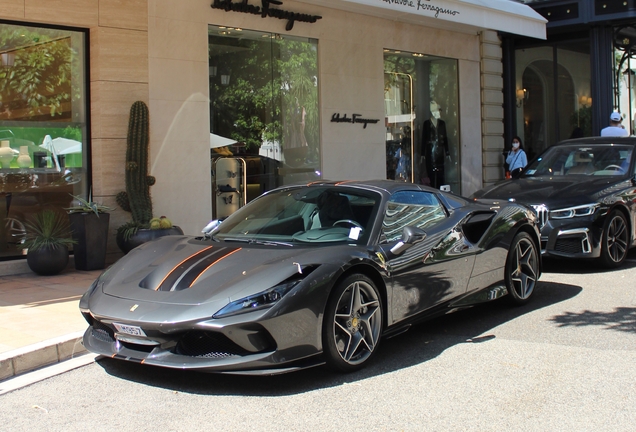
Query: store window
column 422, row 123
column 553, row 94
column 264, row 117
column 43, row 126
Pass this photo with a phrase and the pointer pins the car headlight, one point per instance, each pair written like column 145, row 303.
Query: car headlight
column 571, row 212
column 262, row 300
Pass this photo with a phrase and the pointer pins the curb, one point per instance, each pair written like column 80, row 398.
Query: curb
column 29, row 358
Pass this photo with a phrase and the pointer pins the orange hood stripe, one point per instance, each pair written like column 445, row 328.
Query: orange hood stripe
column 184, row 274
column 223, row 257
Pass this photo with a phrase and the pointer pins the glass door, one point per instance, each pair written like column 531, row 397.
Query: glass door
column 264, row 116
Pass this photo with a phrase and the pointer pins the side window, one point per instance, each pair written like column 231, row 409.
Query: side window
column 411, row 208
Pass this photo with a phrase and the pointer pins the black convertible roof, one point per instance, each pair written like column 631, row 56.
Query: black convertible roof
column 379, row 185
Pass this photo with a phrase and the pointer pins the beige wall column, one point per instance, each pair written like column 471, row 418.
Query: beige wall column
column 492, row 106
column 180, row 112
column 352, row 81
column 119, row 77
column 470, row 127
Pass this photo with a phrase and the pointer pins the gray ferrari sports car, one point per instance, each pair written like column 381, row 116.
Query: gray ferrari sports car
column 311, row 274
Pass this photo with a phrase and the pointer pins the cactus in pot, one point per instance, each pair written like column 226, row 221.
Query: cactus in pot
column 136, row 199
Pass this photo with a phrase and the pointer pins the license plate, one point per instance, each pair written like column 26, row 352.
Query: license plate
column 129, row 329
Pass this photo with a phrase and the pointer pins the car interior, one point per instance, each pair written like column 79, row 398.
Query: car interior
column 593, row 160
column 317, row 215
column 582, row 164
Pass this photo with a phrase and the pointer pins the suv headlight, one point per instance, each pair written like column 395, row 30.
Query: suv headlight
column 572, row 212
column 262, row 300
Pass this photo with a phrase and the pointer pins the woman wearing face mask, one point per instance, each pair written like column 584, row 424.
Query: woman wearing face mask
column 517, row 159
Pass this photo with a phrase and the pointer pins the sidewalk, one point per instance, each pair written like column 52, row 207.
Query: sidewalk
column 40, row 322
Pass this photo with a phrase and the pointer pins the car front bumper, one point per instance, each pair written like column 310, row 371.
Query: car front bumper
column 571, row 239
column 255, row 343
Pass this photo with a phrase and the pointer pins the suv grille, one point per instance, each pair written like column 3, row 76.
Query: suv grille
column 542, row 214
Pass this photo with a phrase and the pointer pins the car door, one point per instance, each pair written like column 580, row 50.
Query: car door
column 434, row 270
column 629, row 194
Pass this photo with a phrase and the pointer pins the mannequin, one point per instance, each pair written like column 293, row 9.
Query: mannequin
column 435, row 146
column 403, row 171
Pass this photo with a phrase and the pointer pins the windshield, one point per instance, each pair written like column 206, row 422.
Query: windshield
column 598, row 160
column 303, row 215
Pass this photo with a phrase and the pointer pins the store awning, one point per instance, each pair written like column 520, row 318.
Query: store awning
column 217, row 141
column 501, row 15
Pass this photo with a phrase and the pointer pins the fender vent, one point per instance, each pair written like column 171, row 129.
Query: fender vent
column 476, row 226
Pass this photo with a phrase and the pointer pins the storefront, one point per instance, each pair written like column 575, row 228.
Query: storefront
column 248, row 95
column 567, row 85
column 347, row 89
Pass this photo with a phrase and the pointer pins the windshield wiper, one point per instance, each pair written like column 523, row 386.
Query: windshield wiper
column 260, row 242
column 271, row 243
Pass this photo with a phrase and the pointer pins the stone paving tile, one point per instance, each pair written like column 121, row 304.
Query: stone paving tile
column 36, row 308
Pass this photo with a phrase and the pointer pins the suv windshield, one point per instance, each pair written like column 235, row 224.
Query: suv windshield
column 597, row 159
column 303, row 215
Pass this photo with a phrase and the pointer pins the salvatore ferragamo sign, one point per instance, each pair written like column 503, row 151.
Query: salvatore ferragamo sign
column 265, row 10
column 354, row 119
column 424, row 6
column 421, row 7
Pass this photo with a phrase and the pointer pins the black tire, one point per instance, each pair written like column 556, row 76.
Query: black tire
column 352, row 324
column 615, row 240
column 522, row 269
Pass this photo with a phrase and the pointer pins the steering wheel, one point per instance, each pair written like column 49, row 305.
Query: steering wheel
column 349, row 221
column 613, row 167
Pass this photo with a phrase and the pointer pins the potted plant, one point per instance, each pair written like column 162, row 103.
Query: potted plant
column 136, row 199
column 131, row 235
column 48, row 237
column 89, row 226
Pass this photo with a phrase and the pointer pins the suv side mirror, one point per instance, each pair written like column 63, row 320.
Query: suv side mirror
column 410, row 236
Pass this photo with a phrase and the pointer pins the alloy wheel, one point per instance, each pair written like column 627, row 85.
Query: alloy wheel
column 617, row 239
column 523, row 268
column 357, row 322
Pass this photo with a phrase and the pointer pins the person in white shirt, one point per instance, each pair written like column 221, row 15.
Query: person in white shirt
column 517, row 159
column 615, row 129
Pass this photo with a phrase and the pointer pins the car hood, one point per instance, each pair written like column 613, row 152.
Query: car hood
column 560, row 191
column 182, row 270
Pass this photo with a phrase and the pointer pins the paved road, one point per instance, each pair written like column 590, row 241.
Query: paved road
column 565, row 362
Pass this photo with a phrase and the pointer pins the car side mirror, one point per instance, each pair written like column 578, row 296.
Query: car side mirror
column 410, row 236
column 210, row 227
